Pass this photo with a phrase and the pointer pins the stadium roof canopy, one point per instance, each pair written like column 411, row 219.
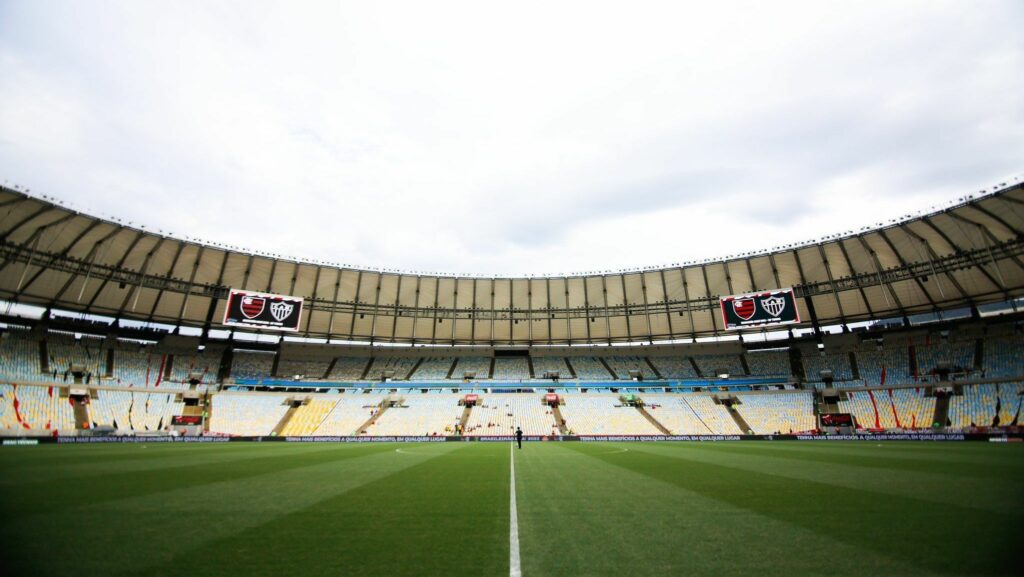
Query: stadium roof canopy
column 961, row 256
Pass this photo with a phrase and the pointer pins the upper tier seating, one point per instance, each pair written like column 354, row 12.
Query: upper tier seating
column 622, row 365
column 838, row 363
column 348, row 368
column 137, row 368
column 480, row 365
column 309, row 369
column 19, row 357
column 249, row 364
column 400, row 365
column 675, row 367
column 894, row 359
column 511, row 369
column 433, row 369
column 543, row 365
column 203, row 363
column 959, row 354
column 65, row 351
column 590, row 369
column 709, row 365
column 1003, row 356
column 772, row 363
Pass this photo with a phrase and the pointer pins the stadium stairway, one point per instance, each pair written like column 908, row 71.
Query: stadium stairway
column 740, row 422
column 415, row 368
column 82, row 419
column 381, row 409
column 563, row 429
column 465, row 417
column 654, row 369
column 285, row 418
column 653, row 421
column 366, row 369
column 44, row 357
column 572, row 369
column 608, row 368
column 941, row 410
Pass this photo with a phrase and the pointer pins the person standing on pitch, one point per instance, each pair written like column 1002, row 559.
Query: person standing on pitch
column 519, row 437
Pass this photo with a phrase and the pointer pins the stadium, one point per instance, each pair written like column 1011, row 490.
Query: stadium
column 849, row 405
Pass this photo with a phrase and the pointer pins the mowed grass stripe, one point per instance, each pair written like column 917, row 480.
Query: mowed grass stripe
column 982, row 456
column 57, row 494
column 125, row 536
column 445, row 516
column 580, row 515
column 134, row 457
column 943, row 539
column 999, row 494
column 881, row 459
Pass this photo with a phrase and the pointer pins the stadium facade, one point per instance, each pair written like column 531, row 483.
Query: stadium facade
column 154, row 349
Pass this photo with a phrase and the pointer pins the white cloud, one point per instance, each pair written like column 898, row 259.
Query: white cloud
column 540, row 137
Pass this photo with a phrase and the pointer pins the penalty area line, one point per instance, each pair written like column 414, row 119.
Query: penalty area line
column 514, row 569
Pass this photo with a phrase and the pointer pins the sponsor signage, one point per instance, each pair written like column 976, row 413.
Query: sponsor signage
column 187, row 420
column 263, row 311
column 776, row 307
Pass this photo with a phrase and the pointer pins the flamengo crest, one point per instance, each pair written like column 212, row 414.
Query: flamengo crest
column 744, row 308
column 253, row 306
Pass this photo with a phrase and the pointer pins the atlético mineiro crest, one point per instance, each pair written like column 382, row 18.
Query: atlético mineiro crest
column 280, row 310
column 253, row 306
column 744, row 308
column 774, row 305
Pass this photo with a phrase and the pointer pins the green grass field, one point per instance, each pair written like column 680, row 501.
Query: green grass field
column 740, row 508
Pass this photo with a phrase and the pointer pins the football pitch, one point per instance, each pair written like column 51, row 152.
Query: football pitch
column 736, row 508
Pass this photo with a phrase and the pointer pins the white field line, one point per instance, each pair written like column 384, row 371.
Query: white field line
column 514, row 569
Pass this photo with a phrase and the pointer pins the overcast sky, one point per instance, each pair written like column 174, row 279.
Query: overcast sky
column 509, row 138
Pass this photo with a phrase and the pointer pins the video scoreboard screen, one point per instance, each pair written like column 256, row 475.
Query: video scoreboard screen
column 263, row 311
column 767, row 308
column 837, row 419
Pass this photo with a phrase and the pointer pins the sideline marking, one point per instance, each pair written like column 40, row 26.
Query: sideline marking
column 514, row 569
column 623, row 450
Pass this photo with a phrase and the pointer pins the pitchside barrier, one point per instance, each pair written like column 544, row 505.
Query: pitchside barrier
column 933, row 437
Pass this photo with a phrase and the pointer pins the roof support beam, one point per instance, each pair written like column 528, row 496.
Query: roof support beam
column 903, row 263
column 974, row 261
column 191, row 283
column 849, row 265
column 316, row 287
column 355, row 307
column 807, row 298
column 120, row 264
column 932, row 257
column 832, row 283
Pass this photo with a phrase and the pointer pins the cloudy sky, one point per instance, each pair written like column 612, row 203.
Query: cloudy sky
column 508, row 138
